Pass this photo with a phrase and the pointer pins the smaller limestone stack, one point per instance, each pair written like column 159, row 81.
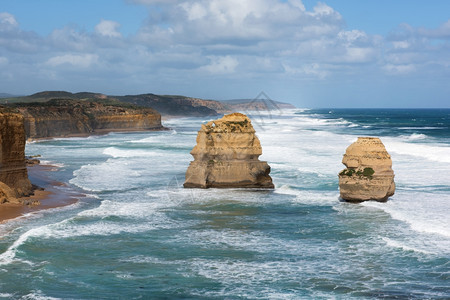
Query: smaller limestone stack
column 369, row 174
column 226, row 156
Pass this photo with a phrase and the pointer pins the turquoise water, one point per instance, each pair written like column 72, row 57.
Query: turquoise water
column 138, row 234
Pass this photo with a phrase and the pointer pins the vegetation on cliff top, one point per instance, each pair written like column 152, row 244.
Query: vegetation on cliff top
column 174, row 105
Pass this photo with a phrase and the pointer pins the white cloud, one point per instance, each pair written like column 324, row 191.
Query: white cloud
column 108, row 28
column 7, row 21
column 352, row 36
column 221, row 65
column 311, row 70
column 298, row 4
column 70, row 39
column 80, row 61
column 442, row 32
column 401, row 44
column 323, row 9
column 3, row 61
column 359, row 54
column 399, row 69
column 195, row 10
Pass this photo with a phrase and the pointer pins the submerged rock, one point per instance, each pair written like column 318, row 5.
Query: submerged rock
column 369, row 174
column 226, row 156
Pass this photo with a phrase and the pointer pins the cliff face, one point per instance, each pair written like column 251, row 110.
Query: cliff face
column 13, row 171
column 369, row 174
column 58, row 118
column 226, row 155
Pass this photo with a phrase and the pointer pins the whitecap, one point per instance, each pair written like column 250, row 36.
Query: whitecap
column 429, row 215
column 397, row 244
column 420, row 128
column 116, row 153
column 433, row 152
column 415, row 137
column 38, row 295
column 52, row 164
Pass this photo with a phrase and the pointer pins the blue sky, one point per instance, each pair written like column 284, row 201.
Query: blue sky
column 332, row 53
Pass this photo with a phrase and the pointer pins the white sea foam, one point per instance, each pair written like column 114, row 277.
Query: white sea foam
column 38, row 295
column 75, row 226
column 309, row 121
column 115, row 152
column 425, row 214
column 120, row 209
column 398, row 244
column 52, row 163
column 420, row 128
column 9, row 255
column 415, row 137
column 308, row 197
column 113, row 174
column 433, row 152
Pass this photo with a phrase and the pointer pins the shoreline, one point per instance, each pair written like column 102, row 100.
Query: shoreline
column 47, row 193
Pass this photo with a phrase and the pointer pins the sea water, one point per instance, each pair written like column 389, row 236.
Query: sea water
column 138, row 234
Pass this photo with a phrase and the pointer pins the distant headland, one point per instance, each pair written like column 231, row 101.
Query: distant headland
column 166, row 105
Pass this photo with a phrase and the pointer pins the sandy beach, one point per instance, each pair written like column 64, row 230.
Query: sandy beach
column 50, row 197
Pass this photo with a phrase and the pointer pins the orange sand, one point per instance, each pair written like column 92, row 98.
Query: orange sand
column 50, row 197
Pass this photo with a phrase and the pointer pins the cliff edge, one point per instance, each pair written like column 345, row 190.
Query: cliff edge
column 226, row 156
column 369, row 174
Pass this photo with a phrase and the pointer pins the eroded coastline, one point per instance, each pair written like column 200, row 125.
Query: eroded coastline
column 47, row 195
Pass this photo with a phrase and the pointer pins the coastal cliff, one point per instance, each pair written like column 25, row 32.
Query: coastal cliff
column 14, row 182
column 67, row 117
column 226, row 156
column 176, row 105
column 369, row 174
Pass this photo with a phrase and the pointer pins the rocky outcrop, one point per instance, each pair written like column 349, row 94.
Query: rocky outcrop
column 13, row 171
column 226, row 156
column 369, row 174
column 60, row 117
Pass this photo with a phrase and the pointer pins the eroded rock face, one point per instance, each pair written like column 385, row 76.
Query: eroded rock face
column 369, row 174
column 226, row 156
column 13, row 170
column 59, row 118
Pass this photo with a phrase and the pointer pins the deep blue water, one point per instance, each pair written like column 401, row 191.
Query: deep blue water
column 138, row 234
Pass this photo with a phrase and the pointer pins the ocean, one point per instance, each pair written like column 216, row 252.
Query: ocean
column 137, row 234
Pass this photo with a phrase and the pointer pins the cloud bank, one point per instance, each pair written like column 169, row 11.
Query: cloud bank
column 219, row 49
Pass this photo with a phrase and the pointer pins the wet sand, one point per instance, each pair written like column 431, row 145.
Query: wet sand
column 51, row 197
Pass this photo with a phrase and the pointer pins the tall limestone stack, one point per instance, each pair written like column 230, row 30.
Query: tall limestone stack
column 13, row 171
column 226, row 156
column 369, row 174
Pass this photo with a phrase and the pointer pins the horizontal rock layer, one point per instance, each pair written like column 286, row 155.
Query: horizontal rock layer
column 59, row 118
column 226, row 155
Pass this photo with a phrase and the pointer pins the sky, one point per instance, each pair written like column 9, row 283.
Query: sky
column 329, row 53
